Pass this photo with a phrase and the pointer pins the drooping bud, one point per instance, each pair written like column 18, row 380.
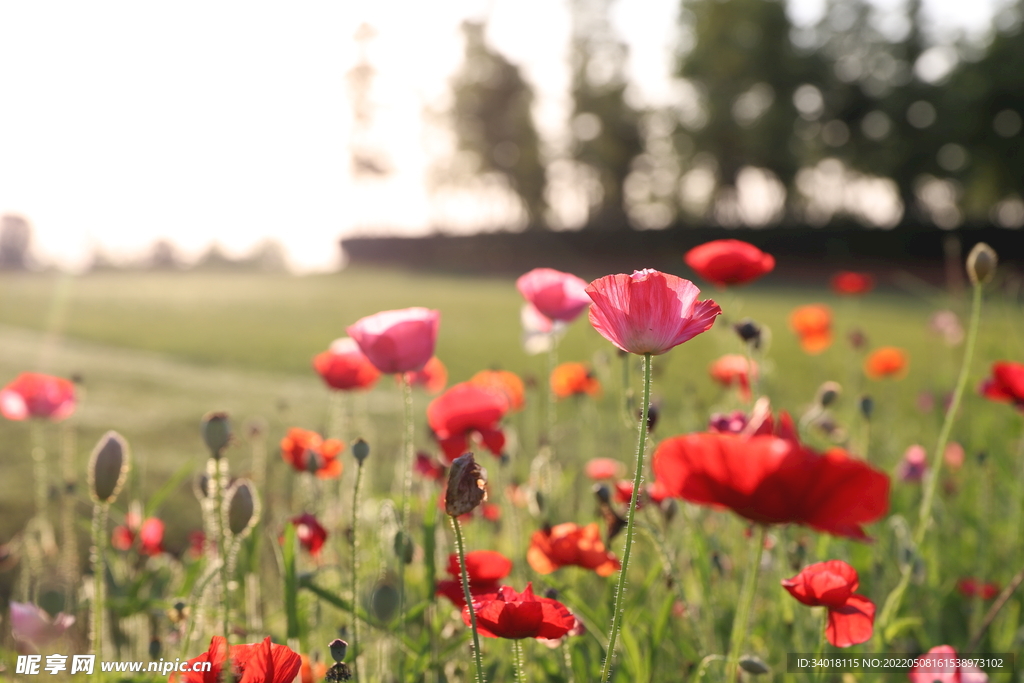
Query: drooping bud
column 828, row 393
column 216, row 428
column 603, row 493
column 466, row 486
column 108, row 467
column 754, row 665
column 749, row 332
column 338, row 649
column 360, row 450
column 981, row 263
column 867, row 406
column 243, row 507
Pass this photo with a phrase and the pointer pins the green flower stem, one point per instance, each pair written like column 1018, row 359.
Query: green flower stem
column 739, row 623
column 408, row 456
column 551, row 415
column 892, row 602
column 221, row 468
column 460, row 548
column 620, row 589
column 39, row 468
column 517, row 654
column 355, row 568
column 99, row 571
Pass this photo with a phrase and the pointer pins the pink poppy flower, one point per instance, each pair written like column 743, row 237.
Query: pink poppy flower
column 344, row 367
column 556, row 295
column 914, row 465
column 32, row 625
column 831, row 585
column 649, row 311
column 35, row 395
column 923, row 673
column 397, row 341
column 604, row 468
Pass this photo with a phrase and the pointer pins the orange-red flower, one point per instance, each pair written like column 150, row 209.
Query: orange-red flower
column 35, row 395
column 851, row 283
column 729, row 262
column 467, row 410
column 572, row 379
column 310, row 533
column 649, row 311
column 973, row 588
column 734, row 369
column 485, row 569
column 1006, row 383
column 831, row 585
column 813, row 325
column 604, row 468
column 508, row 614
column 307, row 451
column 771, row 480
column 570, row 544
column 556, row 295
column 433, row 377
column 504, row 381
column 397, row 341
column 888, row 361
column 150, row 534
column 344, row 367
column 252, row 663
column 312, row 671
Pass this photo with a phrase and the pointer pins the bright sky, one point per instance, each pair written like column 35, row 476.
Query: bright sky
column 125, row 122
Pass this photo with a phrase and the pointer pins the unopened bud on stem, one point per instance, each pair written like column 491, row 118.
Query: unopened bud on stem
column 981, row 263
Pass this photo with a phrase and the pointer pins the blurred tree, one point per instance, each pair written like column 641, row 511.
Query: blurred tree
column 494, row 123
column 15, row 238
column 605, row 128
column 368, row 160
column 163, row 256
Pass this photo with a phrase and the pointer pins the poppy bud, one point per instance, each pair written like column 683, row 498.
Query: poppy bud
column 403, row 547
column 243, row 505
column 551, row 594
column 981, row 263
column 360, row 450
column 154, row 648
column 466, row 480
column 749, row 331
column 603, row 493
column 652, row 416
column 216, row 429
column 384, row 601
column 338, row 649
column 753, row 665
column 828, row 393
column 669, row 508
column 108, row 467
column 867, row 406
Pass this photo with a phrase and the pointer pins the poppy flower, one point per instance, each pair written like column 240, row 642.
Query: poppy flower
column 604, row 468
column 914, row 464
column 508, row 614
column 31, row 394
column 972, row 588
column 428, row 467
column 484, row 567
column 729, row 262
column 555, row 295
column 312, row 671
column 307, row 451
column 433, row 377
column 150, row 534
column 466, row 410
column 759, row 423
column 397, row 341
column 734, row 368
column 813, row 325
column 831, row 585
column 570, row 544
column 649, row 311
column 504, row 381
column 32, row 625
column 573, row 379
column 1006, row 383
column 344, row 367
column 926, row 672
column 264, row 662
column 771, row 480
column 954, row 455
column 851, row 283
column 888, row 361
column 310, row 533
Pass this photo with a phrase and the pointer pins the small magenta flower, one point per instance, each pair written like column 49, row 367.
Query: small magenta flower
column 32, row 625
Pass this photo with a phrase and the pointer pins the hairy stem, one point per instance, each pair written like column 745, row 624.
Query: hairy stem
column 742, row 618
column 355, row 568
column 460, row 548
column 99, row 571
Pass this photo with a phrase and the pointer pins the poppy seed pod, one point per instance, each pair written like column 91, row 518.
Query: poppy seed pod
column 338, row 649
column 828, row 393
column 749, row 331
column 361, row 450
column 216, row 429
column 243, row 507
column 981, row 263
column 108, row 467
column 867, row 406
column 466, row 480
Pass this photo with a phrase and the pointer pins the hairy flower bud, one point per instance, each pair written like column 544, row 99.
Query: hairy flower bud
column 242, row 504
column 360, row 450
column 981, row 263
column 108, row 467
column 216, row 428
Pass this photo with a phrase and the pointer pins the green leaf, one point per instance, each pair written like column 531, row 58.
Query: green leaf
column 291, row 584
column 898, row 626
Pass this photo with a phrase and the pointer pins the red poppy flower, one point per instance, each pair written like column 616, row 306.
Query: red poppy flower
column 556, row 295
column 887, row 361
column 1006, row 383
column 150, row 534
column 572, row 379
column 344, row 367
column 307, row 451
column 831, row 585
column 604, row 468
column 465, row 410
column 729, row 262
column 813, row 324
column 309, row 532
column 428, row 467
column 253, row 663
column 433, row 377
column 624, row 493
column 508, row 614
column 770, row 480
column 485, row 569
column 397, row 341
column 649, row 311
column 925, row 671
column 734, row 368
column 504, row 381
column 34, row 395
column 570, row 544
column 759, row 423
column 972, row 588
column 851, row 283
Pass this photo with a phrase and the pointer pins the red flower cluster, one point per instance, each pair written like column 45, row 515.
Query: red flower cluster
column 34, row 395
column 831, row 585
column 1006, row 383
column 150, row 534
column 344, row 367
column 508, row 614
column 307, row 451
column 252, row 663
column 729, row 262
column 972, row 588
column 570, row 544
column 771, row 480
column 466, row 410
column 485, row 569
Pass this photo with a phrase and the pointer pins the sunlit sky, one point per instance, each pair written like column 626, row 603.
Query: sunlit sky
column 125, row 122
